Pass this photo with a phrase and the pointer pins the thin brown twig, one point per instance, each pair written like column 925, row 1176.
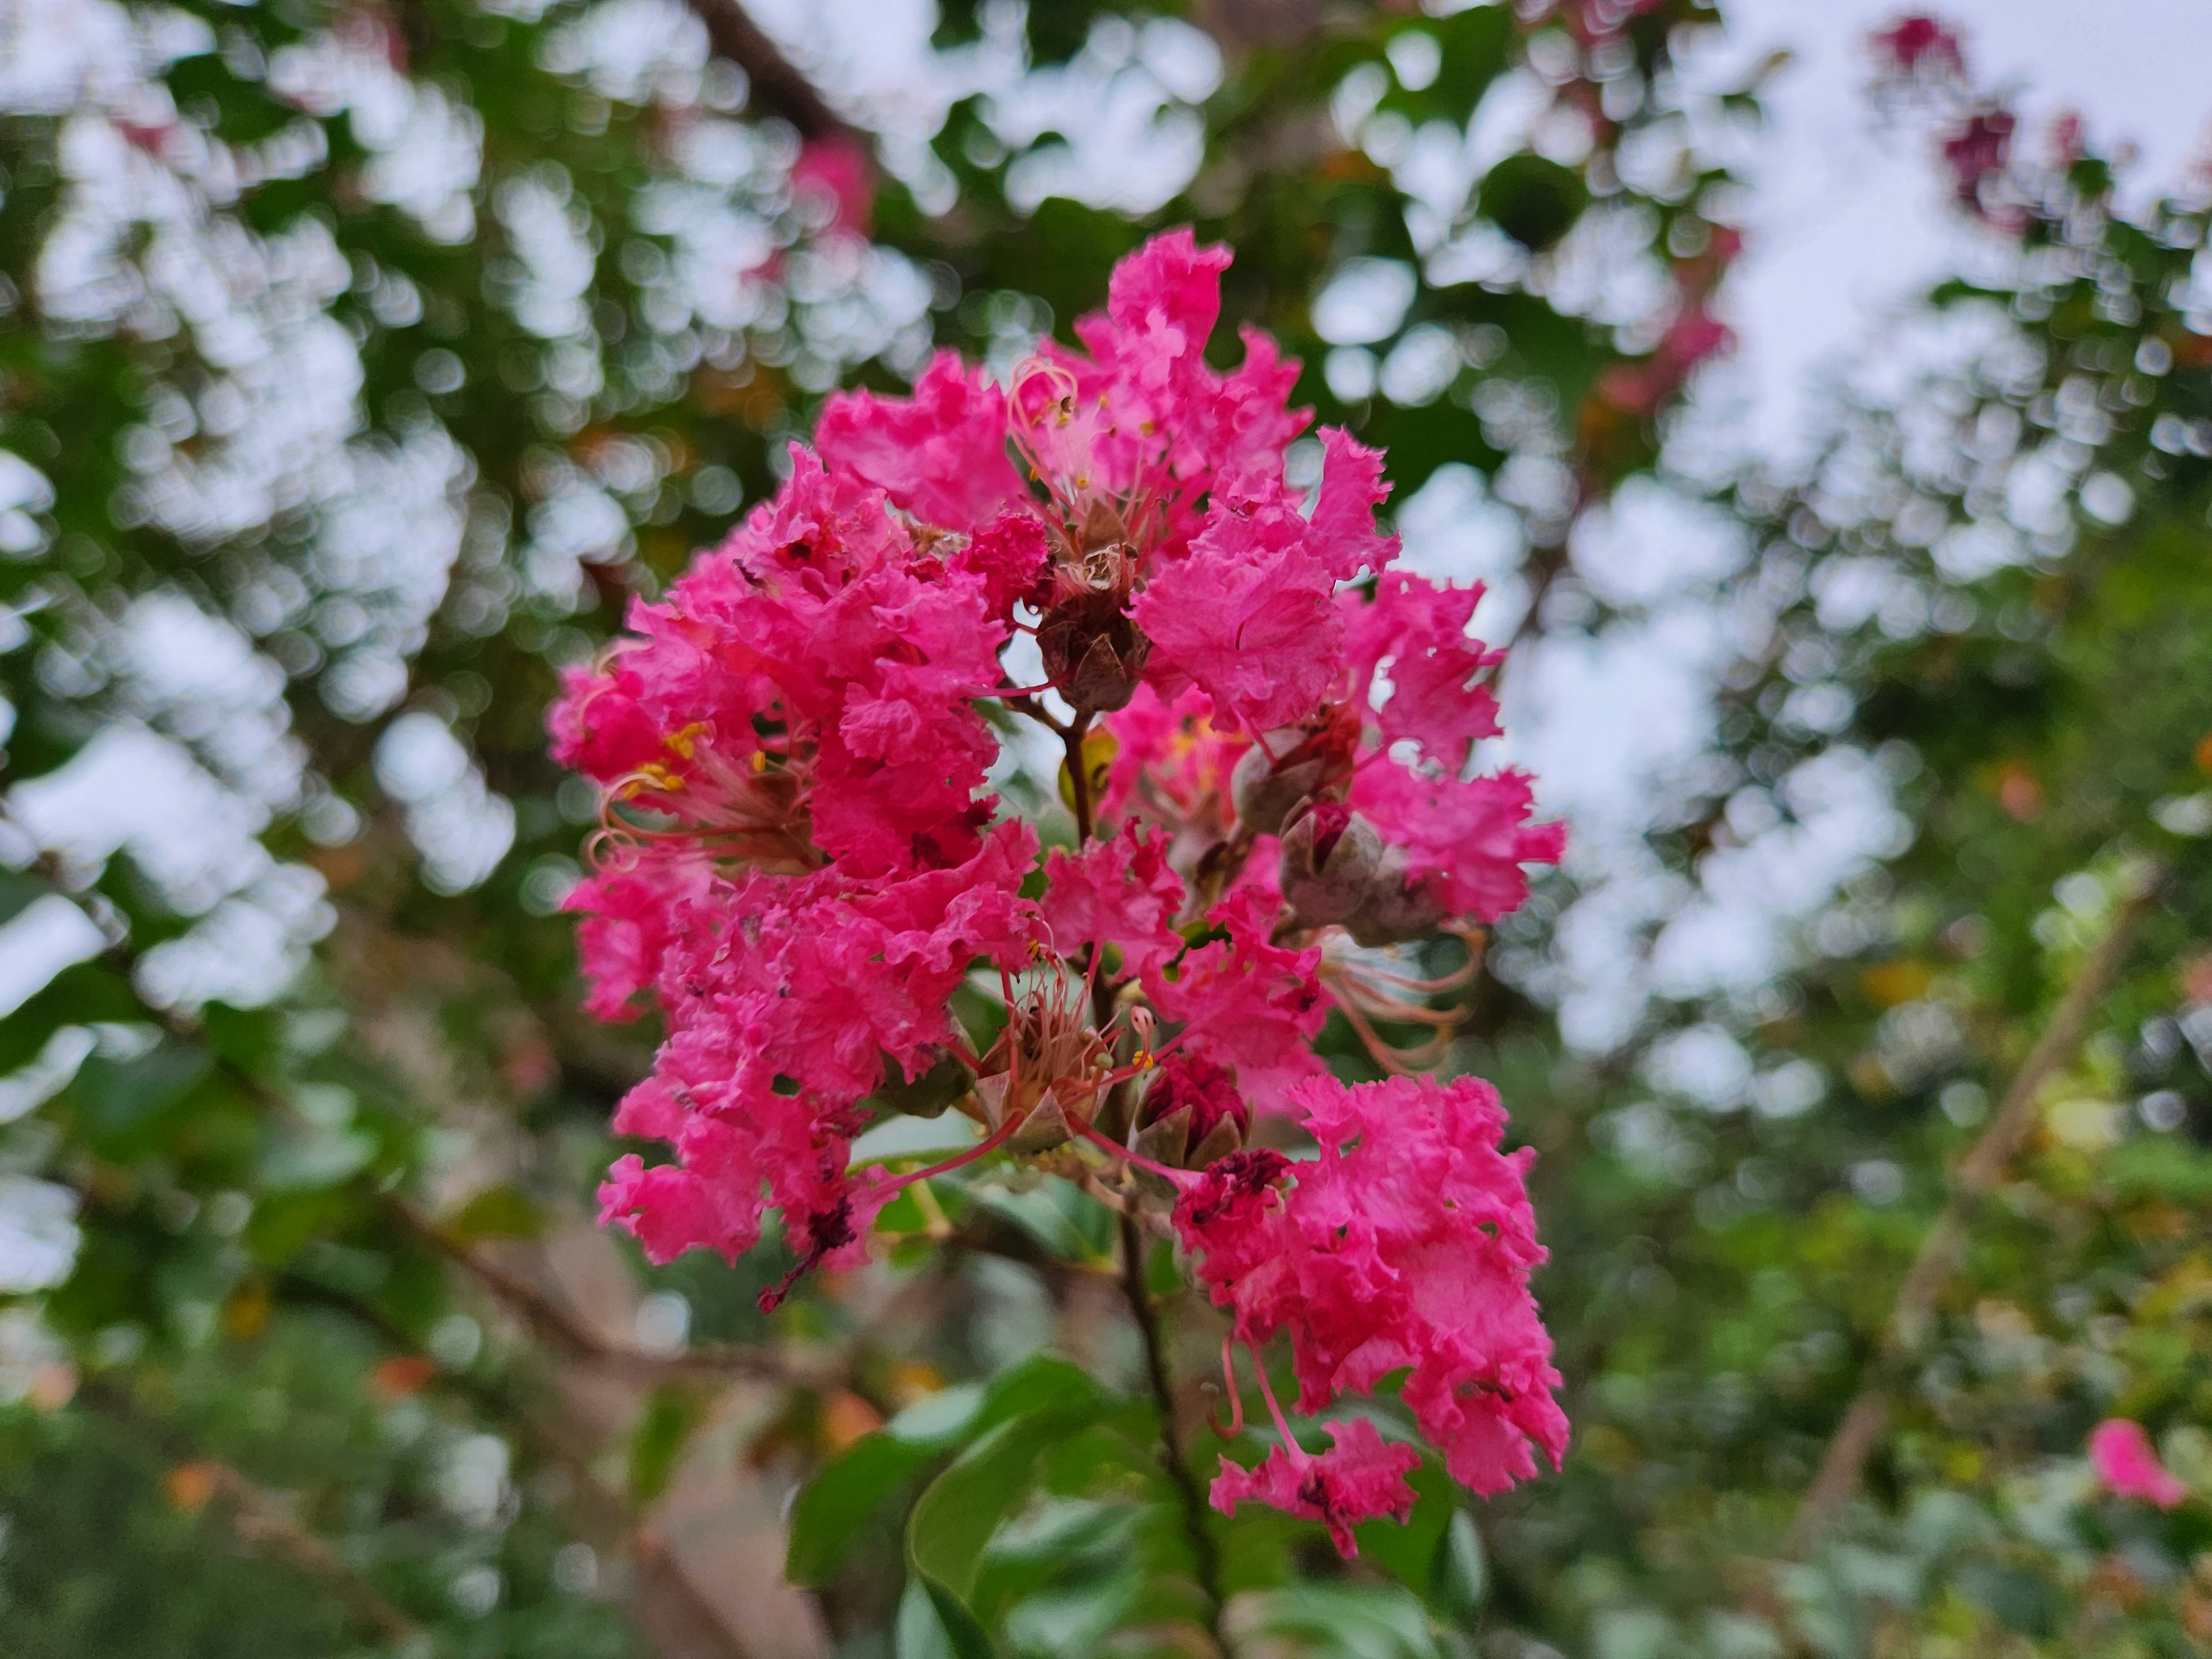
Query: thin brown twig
column 1941, row 1252
column 678, row 1614
column 1037, row 712
column 1206, row 1555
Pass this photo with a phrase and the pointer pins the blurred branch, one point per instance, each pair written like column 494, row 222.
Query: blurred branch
column 1977, row 1176
column 264, row 1518
column 776, row 81
column 665, row 1603
column 678, row 1616
column 551, row 1318
column 1206, row 1553
column 260, row 1516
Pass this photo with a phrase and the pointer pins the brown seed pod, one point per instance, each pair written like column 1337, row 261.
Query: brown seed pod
column 1093, row 651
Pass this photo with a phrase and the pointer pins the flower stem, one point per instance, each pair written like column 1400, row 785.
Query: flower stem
column 1078, row 777
column 990, row 1143
column 1205, row 1554
column 1235, row 1426
column 1292, row 1449
column 1165, row 1172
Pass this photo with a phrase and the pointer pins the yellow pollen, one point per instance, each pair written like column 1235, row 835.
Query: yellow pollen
column 681, row 741
column 1146, row 428
column 1142, row 1060
column 1083, row 484
column 760, row 760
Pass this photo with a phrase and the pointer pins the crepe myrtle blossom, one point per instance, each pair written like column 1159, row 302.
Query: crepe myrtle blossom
column 1272, row 784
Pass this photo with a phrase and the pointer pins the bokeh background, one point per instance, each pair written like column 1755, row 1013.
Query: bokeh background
column 1828, row 405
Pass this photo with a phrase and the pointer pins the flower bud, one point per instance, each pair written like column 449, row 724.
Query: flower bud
column 1191, row 1100
column 1330, row 856
column 1290, row 763
column 1394, row 909
column 1265, row 790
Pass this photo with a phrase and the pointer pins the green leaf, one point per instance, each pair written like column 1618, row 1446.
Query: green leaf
column 1347, row 1621
column 826, row 1524
column 18, row 892
column 119, row 1103
column 307, row 1157
column 1412, row 1553
column 954, row 1518
column 664, row 1428
column 1057, row 1213
column 244, row 1037
column 1533, row 200
column 920, row 1633
column 1462, row 1571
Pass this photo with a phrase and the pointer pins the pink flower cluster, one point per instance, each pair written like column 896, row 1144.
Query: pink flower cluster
column 1407, row 1244
column 1271, row 739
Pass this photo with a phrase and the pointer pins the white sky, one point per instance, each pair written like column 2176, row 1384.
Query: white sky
column 1848, row 217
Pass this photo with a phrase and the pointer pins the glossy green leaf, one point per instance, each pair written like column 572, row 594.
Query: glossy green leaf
column 956, row 1514
column 869, row 1474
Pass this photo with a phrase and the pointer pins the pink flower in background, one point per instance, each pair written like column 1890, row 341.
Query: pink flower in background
column 1919, row 45
column 842, row 169
column 2125, row 1460
column 1923, row 62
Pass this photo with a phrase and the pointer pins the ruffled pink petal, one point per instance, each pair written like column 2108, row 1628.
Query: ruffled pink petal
column 1360, row 1477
